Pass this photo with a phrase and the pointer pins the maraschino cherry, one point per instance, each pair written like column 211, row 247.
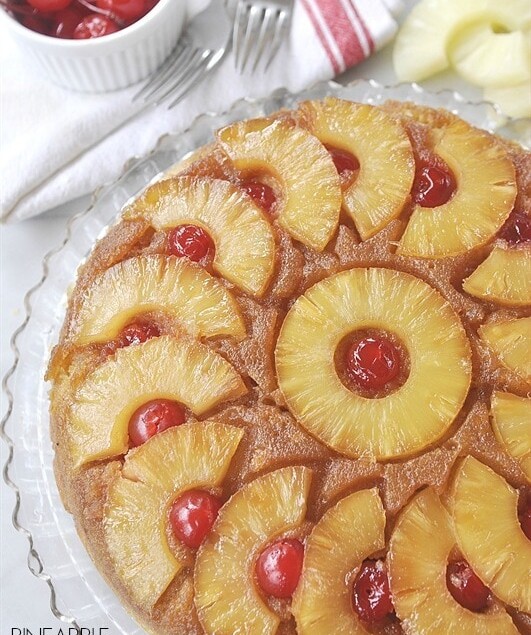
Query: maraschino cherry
column 94, row 25
column 372, row 363
column 190, row 241
column 465, row 586
column 127, row 10
column 433, row 186
column 153, row 417
column 49, row 5
column 192, row 516
column 371, row 596
column 279, row 567
column 136, row 332
column 517, row 228
column 346, row 163
column 261, row 193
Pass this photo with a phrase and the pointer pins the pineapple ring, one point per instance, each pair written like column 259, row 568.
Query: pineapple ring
column 245, row 244
column 511, row 421
column 311, row 189
column 193, row 455
column 419, row 550
column 479, row 206
column 157, row 283
column 388, row 300
column 345, row 536
column 485, row 513
column 225, row 596
column 382, row 186
column 105, row 401
column 504, row 277
column 510, row 340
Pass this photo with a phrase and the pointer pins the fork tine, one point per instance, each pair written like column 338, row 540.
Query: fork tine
column 163, row 70
column 182, row 64
column 281, row 27
column 202, row 69
column 266, row 31
column 252, row 25
column 174, row 83
column 237, row 29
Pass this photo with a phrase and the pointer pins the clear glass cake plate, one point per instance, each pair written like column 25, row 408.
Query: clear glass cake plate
column 78, row 594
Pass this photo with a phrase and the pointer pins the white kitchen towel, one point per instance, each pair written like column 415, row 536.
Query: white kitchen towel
column 57, row 145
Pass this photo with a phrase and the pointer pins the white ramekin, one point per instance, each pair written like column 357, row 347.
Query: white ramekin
column 109, row 62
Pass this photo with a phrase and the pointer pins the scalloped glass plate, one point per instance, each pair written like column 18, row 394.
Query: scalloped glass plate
column 79, row 595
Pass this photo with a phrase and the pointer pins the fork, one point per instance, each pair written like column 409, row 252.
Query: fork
column 259, row 27
column 193, row 58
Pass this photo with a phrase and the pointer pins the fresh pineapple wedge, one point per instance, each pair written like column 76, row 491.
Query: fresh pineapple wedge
column 511, row 421
column 244, row 240
column 504, row 277
column 510, row 340
column 198, row 301
column 164, row 367
column 484, row 198
column 485, row 512
column 226, row 598
column 136, row 511
column 381, row 145
column 408, row 419
column 419, row 550
column 514, row 101
column 344, row 537
column 422, row 45
column 310, row 199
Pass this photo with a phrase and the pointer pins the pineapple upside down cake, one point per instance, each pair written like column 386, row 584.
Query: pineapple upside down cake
column 291, row 394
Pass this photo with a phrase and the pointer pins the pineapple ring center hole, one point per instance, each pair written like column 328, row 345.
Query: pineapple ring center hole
column 263, row 188
column 347, row 165
column 372, row 362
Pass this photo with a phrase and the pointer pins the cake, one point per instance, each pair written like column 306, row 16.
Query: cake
column 291, row 392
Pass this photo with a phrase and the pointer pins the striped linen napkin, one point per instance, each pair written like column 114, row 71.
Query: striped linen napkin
column 59, row 145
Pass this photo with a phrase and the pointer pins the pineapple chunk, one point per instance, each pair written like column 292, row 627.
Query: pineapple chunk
column 163, row 367
column 511, row 421
column 504, row 277
column 311, row 190
column 422, row 44
column 136, row 511
column 513, row 101
column 157, row 283
column 487, row 58
column 483, row 200
column 485, row 512
column 511, row 342
column 381, row 145
column 420, row 547
column 347, row 534
column 226, row 598
column 408, row 419
column 245, row 245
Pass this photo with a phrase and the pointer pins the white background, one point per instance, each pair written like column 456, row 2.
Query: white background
column 24, row 600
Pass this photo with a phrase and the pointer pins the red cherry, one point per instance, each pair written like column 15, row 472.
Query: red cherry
column 152, row 417
column 279, row 567
column 94, row 25
column 517, row 228
column 432, row 186
column 49, row 5
column 128, row 10
column 67, row 20
column 262, row 194
column 372, row 362
column 192, row 516
column 190, row 241
column 465, row 586
column 346, row 163
column 38, row 23
column 371, row 596
column 138, row 332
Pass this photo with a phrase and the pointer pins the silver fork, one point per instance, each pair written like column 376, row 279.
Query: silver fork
column 193, row 58
column 259, row 27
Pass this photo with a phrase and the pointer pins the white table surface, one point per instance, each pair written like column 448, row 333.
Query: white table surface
column 24, row 600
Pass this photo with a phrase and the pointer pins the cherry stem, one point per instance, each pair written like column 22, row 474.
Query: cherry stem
column 105, row 12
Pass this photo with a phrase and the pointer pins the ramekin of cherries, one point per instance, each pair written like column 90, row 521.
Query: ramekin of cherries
column 96, row 45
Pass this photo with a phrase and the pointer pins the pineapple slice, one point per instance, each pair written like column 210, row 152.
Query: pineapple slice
column 420, row 547
column 504, row 277
column 226, row 598
column 514, row 101
column 387, row 164
column 163, row 367
column 422, row 45
column 244, row 240
column 485, row 512
column 408, row 419
column 150, row 283
column 347, row 534
column 484, row 198
column 511, row 421
column 311, row 190
column 511, row 342
column 136, row 511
